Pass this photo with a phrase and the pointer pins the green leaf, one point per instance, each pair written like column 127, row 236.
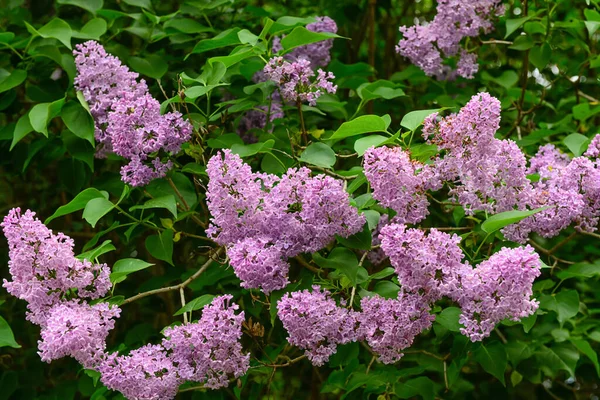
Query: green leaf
column 91, row 255
column 364, row 143
column 235, row 57
column 341, row 259
column 583, row 111
column 584, row 348
column 252, row 149
column 22, row 129
column 225, row 141
column 360, row 240
column 78, row 203
column 126, row 266
column 414, row 119
column 514, row 24
column 564, row 303
column 492, row 357
column 559, row 357
column 387, row 289
column 96, row 209
column 89, row 5
column 167, row 202
column 161, row 246
column 41, row 114
column 540, row 55
column 384, row 273
column 186, row 25
column 448, row 318
column 57, row 29
column 318, row 154
column 360, row 125
column 196, row 304
column 79, row 121
column 161, row 187
column 153, row 66
column 147, row 4
column 577, row 143
column 301, row 36
column 517, row 352
column 15, row 78
column 223, row 39
column 499, row 221
column 580, row 270
column 93, row 29
column 7, row 338
column 6, row 37
column 421, row 386
column 195, row 169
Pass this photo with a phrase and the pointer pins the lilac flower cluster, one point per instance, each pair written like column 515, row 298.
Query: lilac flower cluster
column 209, row 350
column 57, row 287
column 390, row 325
column 398, row 182
column 319, row 53
column 428, row 265
column 264, row 219
column 570, row 190
column 206, row 351
column 499, row 288
column 295, row 80
column 427, row 45
column 128, row 119
column 44, row 269
column 431, row 267
column 484, row 173
column 315, row 323
column 593, row 150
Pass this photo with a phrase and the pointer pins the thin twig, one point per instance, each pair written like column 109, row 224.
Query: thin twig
column 307, row 265
column 184, row 203
column 182, row 297
column 181, row 285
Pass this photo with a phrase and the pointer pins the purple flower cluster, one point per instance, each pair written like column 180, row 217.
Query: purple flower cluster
column 319, row 53
column 146, row 373
column 499, row 288
column 209, row 350
column 295, row 80
column 431, row 267
column 57, row 286
column 44, row 269
column 427, row 45
column 484, row 173
column 315, row 323
column 77, row 330
column 570, row 190
column 428, row 265
column 398, row 182
column 128, row 119
column 390, row 325
column 593, row 150
column 264, row 219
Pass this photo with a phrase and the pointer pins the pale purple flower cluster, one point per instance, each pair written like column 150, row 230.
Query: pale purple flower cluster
column 128, row 119
column 484, row 173
column 390, row 325
column 264, row 219
column 426, row 264
column 44, row 269
column 146, row 373
column 319, row 53
column 57, row 286
column 209, row 350
column 315, row 323
column 431, row 267
column 206, row 351
column 77, row 330
column 427, row 45
column 593, row 150
column 499, row 288
column 398, row 182
column 296, row 80
column 571, row 191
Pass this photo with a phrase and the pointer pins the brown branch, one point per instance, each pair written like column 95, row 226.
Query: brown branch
column 182, row 284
